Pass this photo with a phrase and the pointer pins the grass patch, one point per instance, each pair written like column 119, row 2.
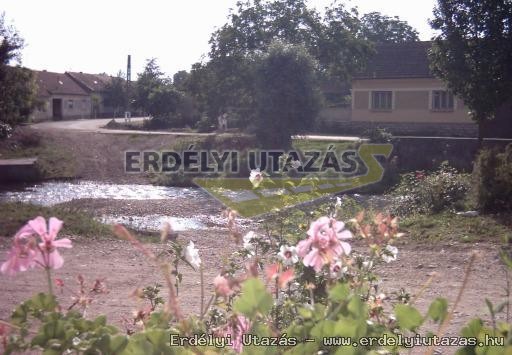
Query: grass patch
column 53, row 162
column 450, row 227
column 76, row 222
column 320, row 145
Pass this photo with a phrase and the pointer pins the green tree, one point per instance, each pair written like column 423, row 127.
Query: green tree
column 473, row 52
column 18, row 89
column 180, row 80
column 227, row 78
column 287, row 94
column 165, row 107
column 379, row 28
column 333, row 40
column 147, row 82
column 116, row 94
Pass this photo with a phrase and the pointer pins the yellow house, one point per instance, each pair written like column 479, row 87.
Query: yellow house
column 398, row 91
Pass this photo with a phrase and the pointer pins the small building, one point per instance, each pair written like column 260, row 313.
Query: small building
column 61, row 97
column 398, row 91
column 94, row 85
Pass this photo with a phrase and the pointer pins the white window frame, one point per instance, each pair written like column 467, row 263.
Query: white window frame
column 370, row 100
column 446, row 108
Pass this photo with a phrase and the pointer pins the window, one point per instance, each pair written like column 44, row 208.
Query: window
column 70, row 104
column 382, row 100
column 442, row 100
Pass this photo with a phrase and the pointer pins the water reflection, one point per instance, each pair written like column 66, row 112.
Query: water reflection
column 154, row 222
column 52, row 193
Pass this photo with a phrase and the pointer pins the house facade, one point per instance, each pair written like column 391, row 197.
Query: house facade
column 61, row 97
column 71, row 95
column 397, row 91
column 94, row 85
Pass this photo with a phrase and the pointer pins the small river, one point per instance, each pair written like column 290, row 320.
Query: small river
column 58, row 192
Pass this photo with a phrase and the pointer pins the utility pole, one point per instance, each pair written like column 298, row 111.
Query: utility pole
column 128, row 114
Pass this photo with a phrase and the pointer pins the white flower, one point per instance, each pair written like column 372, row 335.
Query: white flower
column 192, row 255
column 288, row 254
column 389, row 254
column 248, row 244
column 337, row 269
column 367, row 265
column 338, row 202
column 295, row 164
column 256, row 178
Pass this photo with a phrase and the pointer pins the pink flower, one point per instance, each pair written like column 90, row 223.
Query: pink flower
column 22, row 254
column 283, row 278
column 222, row 287
column 325, row 243
column 27, row 253
column 49, row 256
column 237, row 327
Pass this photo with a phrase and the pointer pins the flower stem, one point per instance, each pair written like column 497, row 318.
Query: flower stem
column 49, row 279
column 202, row 287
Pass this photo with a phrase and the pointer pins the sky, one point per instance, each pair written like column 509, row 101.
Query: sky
column 95, row 36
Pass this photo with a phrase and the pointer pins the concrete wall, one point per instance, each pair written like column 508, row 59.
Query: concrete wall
column 333, row 114
column 44, row 113
column 73, row 106
column 411, row 102
column 356, row 128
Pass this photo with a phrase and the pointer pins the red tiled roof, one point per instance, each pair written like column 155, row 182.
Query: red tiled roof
column 400, row 60
column 91, row 82
column 50, row 83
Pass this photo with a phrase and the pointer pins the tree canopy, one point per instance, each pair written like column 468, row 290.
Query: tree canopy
column 339, row 41
column 287, row 94
column 116, row 94
column 147, row 82
column 473, row 52
column 379, row 28
column 332, row 39
column 17, row 84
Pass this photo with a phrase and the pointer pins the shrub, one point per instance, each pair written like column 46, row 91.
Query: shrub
column 421, row 192
column 378, row 135
column 205, row 125
column 493, row 179
column 5, row 130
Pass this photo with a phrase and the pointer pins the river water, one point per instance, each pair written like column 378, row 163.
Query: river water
column 58, row 192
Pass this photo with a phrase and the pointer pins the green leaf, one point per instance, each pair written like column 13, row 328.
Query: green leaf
column 138, row 344
column 350, row 327
column 44, row 302
column 438, row 309
column 408, row 317
column 158, row 337
column 118, row 343
column 322, row 329
column 339, row 293
column 254, row 299
column 472, row 329
column 357, row 308
column 100, row 321
column 305, row 313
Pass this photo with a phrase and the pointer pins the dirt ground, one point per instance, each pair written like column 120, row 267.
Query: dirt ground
column 125, row 269
column 99, row 157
